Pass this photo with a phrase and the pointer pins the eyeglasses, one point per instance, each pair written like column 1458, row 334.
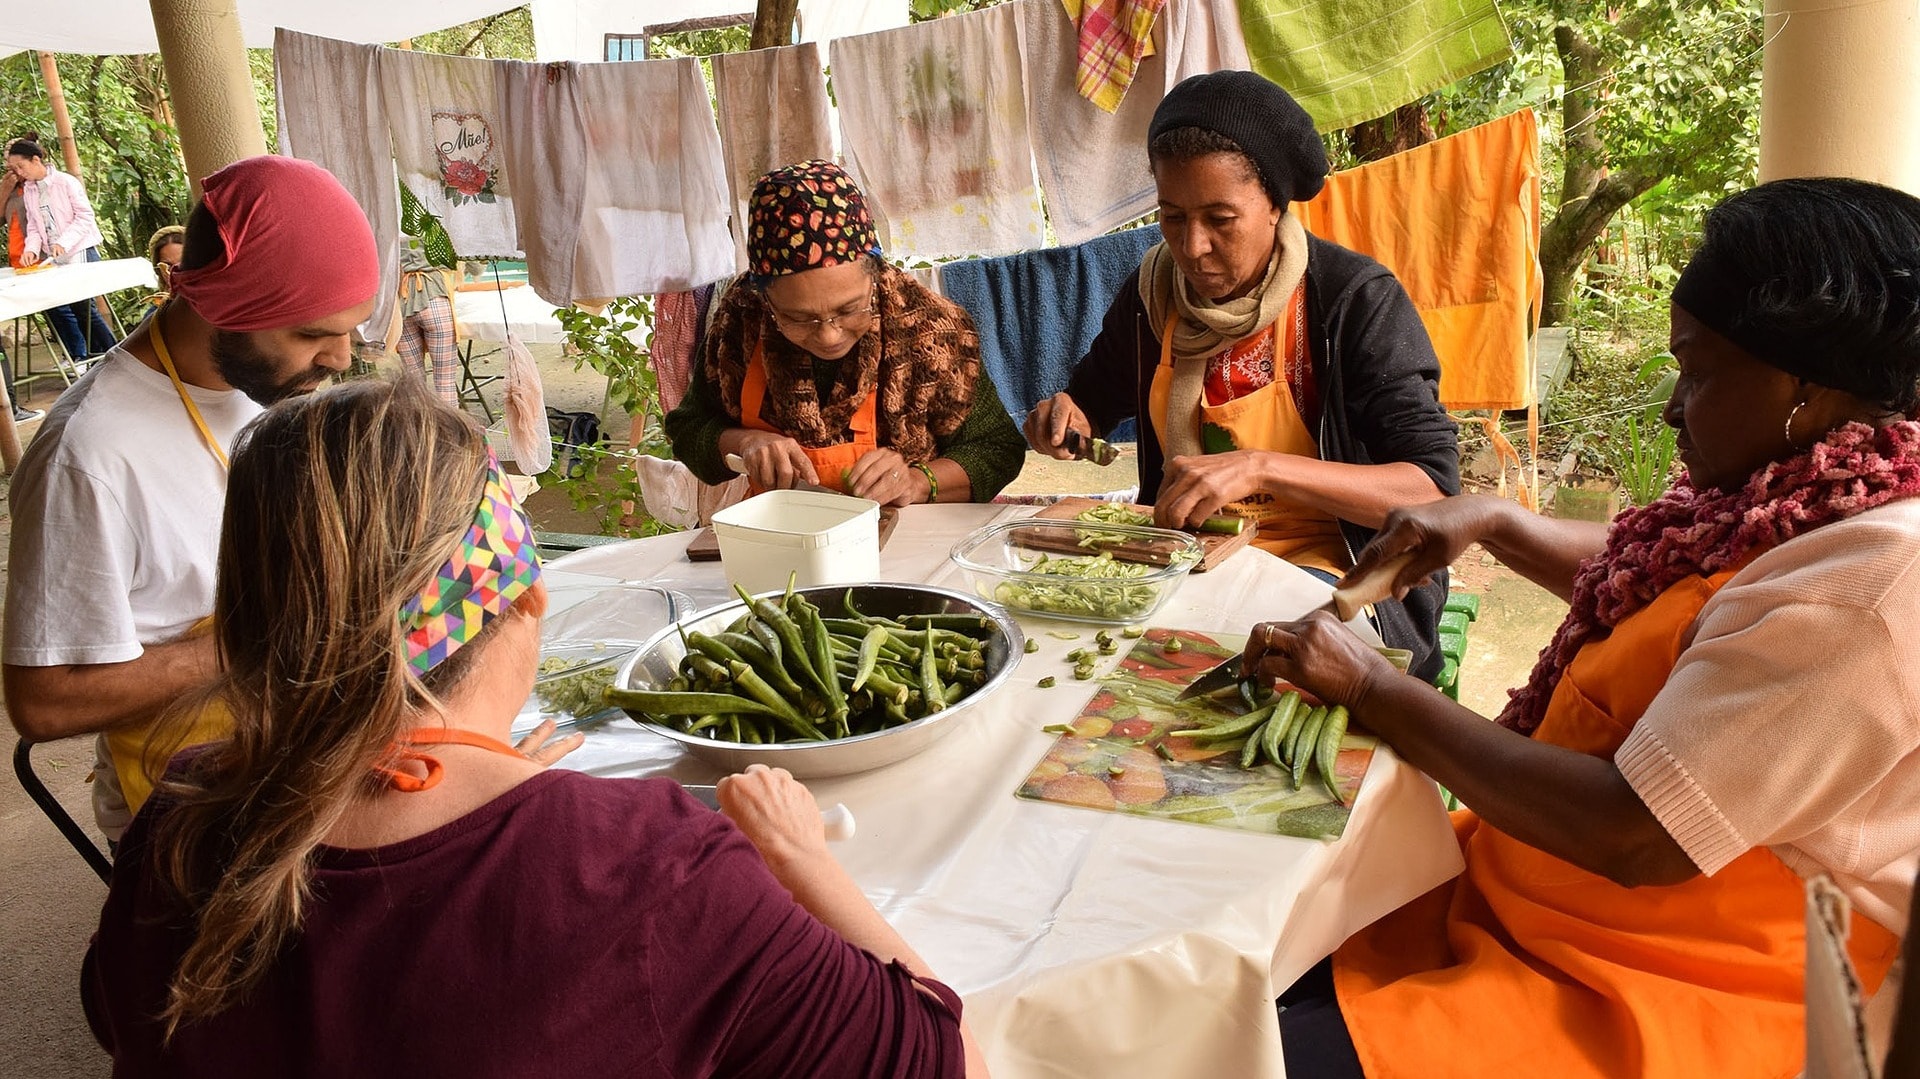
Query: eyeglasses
column 845, row 320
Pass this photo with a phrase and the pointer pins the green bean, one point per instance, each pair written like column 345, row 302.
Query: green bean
column 701, row 723
column 712, row 648
column 664, row 702
column 795, row 649
column 820, row 650
column 1290, row 745
column 1309, row 738
column 869, row 655
column 1274, row 743
column 1327, row 750
column 766, row 663
column 783, row 710
column 1251, row 750
column 1230, row 728
column 936, row 695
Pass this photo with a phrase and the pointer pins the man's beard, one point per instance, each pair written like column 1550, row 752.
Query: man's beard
column 251, row 371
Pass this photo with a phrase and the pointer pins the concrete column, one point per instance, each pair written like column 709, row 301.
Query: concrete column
column 1840, row 91
column 212, row 89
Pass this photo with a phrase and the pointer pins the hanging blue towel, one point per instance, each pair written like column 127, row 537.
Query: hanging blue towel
column 1038, row 312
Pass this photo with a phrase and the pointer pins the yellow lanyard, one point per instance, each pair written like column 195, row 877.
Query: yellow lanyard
column 193, row 410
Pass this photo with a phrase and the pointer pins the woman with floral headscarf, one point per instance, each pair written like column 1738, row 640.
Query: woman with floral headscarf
column 826, row 365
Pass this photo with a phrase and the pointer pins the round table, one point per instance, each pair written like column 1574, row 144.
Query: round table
column 1084, row 942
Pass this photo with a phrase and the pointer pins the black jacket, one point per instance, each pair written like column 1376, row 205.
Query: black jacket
column 1378, row 382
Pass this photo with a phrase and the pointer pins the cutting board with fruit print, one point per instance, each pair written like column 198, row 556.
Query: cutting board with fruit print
column 1116, row 756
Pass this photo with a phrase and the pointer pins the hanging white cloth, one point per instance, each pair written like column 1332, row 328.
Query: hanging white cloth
column 544, row 149
column 654, row 211
column 772, row 106
column 1092, row 163
column 1198, row 36
column 317, row 81
column 445, row 116
column 933, row 119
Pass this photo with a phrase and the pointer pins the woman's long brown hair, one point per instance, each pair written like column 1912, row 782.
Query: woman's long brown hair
column 340, row 506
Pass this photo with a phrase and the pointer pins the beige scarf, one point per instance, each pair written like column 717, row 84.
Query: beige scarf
column 1206, row 328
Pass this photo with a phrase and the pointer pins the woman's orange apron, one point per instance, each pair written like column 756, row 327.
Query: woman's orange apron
column 1265, row 419
column 830, row 463
column 1527, row 965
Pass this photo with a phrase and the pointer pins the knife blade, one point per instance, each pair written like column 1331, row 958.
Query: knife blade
column 836, row 818
column 1218, row 677
column 1351, row 597
column 1088, row 448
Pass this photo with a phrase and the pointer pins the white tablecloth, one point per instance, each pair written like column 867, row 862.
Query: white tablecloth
column 31, row 293
column 527, row 315
column 1085, row 943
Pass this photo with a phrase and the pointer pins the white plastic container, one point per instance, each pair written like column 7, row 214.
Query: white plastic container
column 822, row 538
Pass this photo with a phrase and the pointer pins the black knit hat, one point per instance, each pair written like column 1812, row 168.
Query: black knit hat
column 1263, row 120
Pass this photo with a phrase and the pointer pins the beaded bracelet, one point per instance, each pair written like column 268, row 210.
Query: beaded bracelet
column 933, row 485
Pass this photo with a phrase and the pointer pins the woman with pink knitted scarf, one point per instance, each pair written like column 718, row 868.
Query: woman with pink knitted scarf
column 1731, row 707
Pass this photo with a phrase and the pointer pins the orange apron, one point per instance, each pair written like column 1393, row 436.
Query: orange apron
column 1528, row 965
column 830, row 463
column 1265, row 419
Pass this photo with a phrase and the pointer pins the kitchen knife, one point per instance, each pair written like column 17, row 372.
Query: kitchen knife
column 1088, row 448
column 836, row 818
column 738, row 464
column 1346, row 603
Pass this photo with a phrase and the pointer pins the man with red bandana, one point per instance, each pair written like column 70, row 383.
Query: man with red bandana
column 117, row 503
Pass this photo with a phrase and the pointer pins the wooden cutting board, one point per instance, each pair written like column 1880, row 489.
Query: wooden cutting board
column 706, row 546
column 1214, row 548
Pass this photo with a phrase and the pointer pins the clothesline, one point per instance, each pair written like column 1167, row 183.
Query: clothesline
column 964, row 136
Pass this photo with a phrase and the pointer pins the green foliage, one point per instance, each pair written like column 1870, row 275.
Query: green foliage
column 505, row 36
column 129, row 153
column 923, row 10
column 607, row 341
column 1643, row 445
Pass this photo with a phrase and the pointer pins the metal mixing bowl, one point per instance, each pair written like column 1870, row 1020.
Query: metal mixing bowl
column 660, row 657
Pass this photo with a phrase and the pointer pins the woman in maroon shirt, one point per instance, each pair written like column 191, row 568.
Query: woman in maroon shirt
column 367, row 880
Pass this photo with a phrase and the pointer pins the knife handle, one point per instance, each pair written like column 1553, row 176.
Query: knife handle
column 1357, row 592
column 838, row 821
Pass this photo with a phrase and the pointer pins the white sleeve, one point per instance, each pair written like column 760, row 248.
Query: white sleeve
column 70, row 566
column 1775, row 720
column 82, row 223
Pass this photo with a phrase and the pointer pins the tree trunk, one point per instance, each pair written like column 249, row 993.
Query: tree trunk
column 773, row 23
column 1400, row 130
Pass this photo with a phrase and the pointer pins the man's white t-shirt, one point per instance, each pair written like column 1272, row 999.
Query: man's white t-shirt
column 116, row 523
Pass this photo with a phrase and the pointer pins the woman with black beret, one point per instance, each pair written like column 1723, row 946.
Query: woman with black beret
column 1274, row 375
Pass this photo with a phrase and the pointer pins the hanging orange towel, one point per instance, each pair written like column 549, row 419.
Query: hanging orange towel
column 1458, row 222
column 1114, row 36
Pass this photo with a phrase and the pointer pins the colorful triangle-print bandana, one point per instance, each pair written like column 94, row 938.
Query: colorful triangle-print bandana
column 495, row 563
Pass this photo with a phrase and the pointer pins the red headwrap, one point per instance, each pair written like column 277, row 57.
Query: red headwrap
column 297, row 248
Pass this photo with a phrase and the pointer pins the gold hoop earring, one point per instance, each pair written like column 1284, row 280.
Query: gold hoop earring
column 1787, row 431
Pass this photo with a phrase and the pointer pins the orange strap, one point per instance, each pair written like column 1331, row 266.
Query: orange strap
column 404, row 749
column 830, row 463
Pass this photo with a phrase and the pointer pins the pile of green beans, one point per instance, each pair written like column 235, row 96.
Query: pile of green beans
column 1112, row 513
column 784, row 672
column 1096, row 585
column 1297, row 737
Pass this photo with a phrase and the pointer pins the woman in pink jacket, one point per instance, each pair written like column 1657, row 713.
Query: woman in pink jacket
column 60, row 228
